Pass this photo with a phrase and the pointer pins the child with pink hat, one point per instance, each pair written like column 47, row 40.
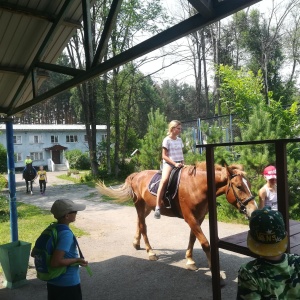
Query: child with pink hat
column 268, row 193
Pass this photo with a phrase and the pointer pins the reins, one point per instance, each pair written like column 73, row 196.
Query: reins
column 241, row 203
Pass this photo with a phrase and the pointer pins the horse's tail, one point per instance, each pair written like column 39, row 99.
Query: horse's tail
column 122, row 193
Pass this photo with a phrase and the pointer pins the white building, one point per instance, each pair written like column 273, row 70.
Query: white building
column 46, row 144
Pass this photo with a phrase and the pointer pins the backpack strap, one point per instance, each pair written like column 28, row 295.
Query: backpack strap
column 79, row 250
column 88, row 269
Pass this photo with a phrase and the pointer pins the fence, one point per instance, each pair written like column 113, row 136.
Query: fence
column 225, row 123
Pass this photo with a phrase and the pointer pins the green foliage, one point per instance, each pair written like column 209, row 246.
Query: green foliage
column 3, row 159
column 3, row 181
column 31, row 222
column 77, row 159
column 240, row 92
column 228, row 213
column 150, row 152
column 285, row 119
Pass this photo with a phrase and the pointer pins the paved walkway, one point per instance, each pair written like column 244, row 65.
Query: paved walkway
column 119, row 271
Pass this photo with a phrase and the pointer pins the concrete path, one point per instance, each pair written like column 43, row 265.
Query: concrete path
column 119, row 271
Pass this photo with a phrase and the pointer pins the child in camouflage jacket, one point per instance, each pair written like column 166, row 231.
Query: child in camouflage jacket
column 275, row 274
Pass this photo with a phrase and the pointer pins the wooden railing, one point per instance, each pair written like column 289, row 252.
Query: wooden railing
column 282, row 196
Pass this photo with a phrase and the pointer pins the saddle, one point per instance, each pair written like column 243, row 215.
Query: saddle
column 171, row 190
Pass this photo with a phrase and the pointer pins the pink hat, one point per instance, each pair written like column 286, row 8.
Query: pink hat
column 270, row 172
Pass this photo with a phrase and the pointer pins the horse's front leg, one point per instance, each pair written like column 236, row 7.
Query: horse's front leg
column 31, row 187
column 196, row 232
column 143, row 212
column 190, row 264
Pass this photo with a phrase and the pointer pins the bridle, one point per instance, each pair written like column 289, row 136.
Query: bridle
column 242, row 204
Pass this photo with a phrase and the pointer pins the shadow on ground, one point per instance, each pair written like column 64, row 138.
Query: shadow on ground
column 125, row 277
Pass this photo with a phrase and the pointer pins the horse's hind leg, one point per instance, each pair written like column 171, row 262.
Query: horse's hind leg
column 143, row 212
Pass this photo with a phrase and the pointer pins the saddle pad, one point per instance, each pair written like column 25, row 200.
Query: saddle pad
column 172, row 186
column 154, row 183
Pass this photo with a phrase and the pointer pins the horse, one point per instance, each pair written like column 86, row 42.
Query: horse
column 190, row 202
column 29, row 174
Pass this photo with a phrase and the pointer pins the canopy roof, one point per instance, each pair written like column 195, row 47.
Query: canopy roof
column 33, row 33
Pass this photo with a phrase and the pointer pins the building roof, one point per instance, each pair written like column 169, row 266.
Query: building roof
column 33, row 33
column 51, row 127
column 56, row 148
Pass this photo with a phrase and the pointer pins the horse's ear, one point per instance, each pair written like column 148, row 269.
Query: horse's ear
column 224, row 163
column 229, row 171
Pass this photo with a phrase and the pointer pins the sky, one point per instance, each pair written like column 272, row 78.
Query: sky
column 180, row 71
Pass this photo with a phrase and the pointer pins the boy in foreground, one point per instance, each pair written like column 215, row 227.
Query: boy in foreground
column 275, row 274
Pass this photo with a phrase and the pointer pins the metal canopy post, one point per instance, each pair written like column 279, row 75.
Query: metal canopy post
column 11, row 181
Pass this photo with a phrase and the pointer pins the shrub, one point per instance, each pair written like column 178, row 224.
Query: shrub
column 3, row 159
column 78, row 160
column 3, row 182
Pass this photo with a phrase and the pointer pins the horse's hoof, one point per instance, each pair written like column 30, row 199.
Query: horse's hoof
column 191, row 267
column 136, row 246
column 153, row 257
column 222, row 282
column 31, row 193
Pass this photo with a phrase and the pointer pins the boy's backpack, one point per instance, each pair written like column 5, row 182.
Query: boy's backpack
column 43, row 251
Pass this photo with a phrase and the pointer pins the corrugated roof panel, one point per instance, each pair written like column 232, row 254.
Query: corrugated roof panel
column 24, row 25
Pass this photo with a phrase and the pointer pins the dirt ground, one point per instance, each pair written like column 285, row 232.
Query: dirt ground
column 119, row 271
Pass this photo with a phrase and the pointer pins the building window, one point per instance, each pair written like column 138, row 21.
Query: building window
column 18, row 157
column 103, row 137
column 71, row 139
column 37, row 155
column 17, row 139
column 85, row 138
column 54, row 138
column 35, row 139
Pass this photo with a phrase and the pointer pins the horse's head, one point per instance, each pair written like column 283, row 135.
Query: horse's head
column 238, row 191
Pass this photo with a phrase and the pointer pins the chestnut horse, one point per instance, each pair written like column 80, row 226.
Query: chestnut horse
column 191, row 201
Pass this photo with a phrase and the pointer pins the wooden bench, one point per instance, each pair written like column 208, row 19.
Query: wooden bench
column 238, row 242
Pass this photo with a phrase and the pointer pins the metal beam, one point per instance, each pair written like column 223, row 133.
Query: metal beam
column 87, row 29
column 18, row 70
column 59, row 69
column 108, row 27
column 169, row 35
column 204, row 7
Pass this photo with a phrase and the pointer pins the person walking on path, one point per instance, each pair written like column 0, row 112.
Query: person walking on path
column 66, row 286
column 268, row 193
column 275, row 274
column 172, row 156
column 42, row 179
column 28, row 160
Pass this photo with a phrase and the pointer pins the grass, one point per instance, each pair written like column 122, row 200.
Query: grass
column 31, row 222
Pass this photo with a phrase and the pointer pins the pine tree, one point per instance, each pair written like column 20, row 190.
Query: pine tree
column 150, row 157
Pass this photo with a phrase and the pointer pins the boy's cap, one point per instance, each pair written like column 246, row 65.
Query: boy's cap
column 270, row 172
column 267, row 235
column 61, row 207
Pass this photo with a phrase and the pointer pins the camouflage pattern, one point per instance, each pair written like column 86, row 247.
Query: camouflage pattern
column 263, row 279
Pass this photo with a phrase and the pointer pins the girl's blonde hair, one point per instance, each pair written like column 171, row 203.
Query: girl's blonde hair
column 173, row 124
